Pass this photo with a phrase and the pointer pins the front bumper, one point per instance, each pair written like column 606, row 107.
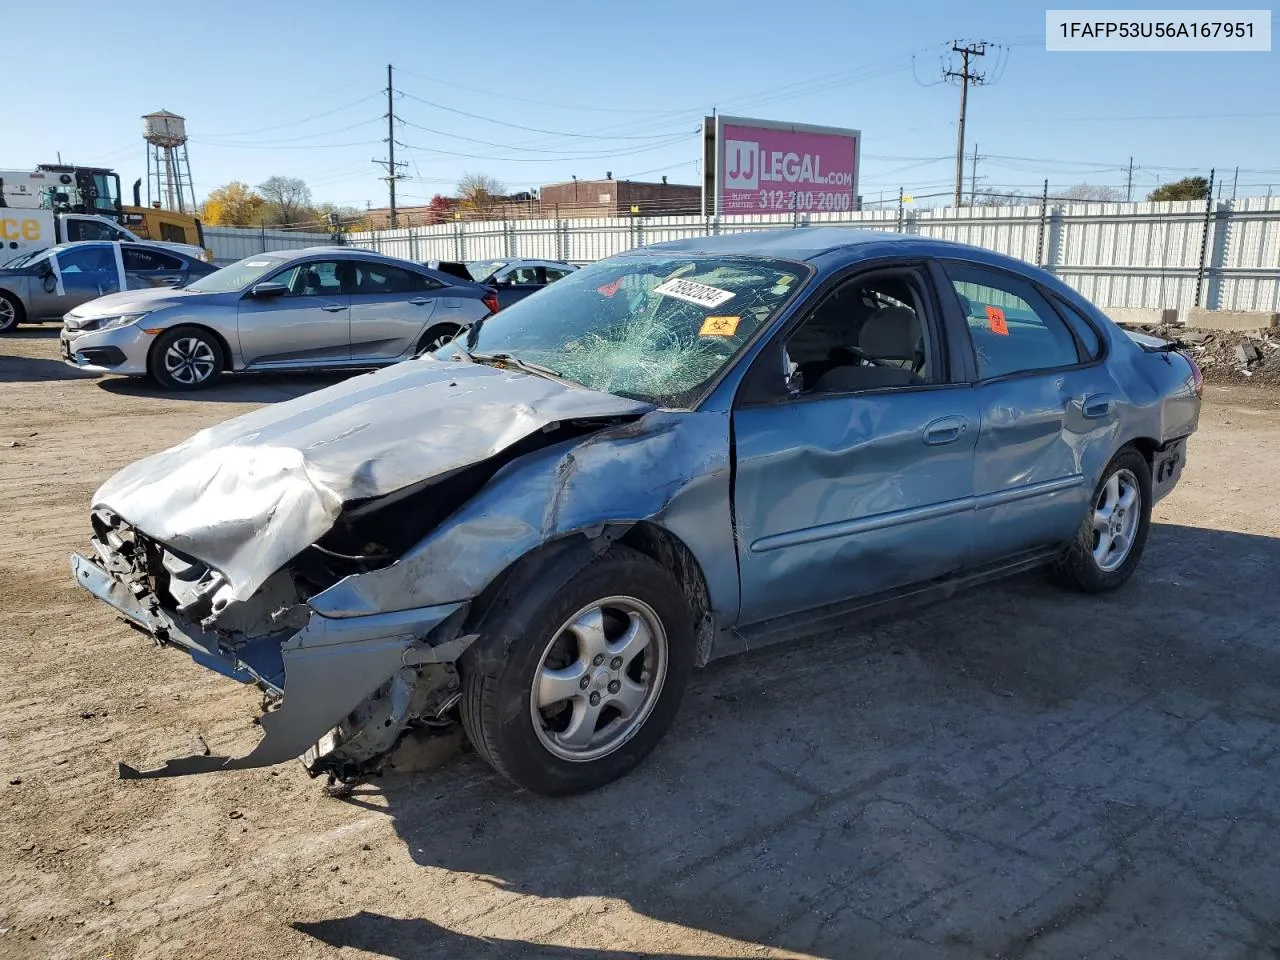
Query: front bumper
column 316, row 676
column 122, row 350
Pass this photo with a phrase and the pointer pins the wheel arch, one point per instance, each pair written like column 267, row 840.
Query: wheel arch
column 227, row 363
column 433, row 325
column 1146, row 446
column 19, row 308
column 571, row 550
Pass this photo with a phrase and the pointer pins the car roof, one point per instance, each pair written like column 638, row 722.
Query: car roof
column 511, row 261
column 804, row 243
column 330, row 250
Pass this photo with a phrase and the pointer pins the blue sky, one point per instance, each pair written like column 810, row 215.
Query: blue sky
column 295, row 88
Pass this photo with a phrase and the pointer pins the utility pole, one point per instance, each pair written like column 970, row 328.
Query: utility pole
column 973, row 177
column 1235, row 182
column 966, row 78
column 1128, row 187
column 393, row 168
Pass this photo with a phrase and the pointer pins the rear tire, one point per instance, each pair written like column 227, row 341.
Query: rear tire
column 11, row 312
column 186, row 358
column 437, row 337
column 1107, row 548
column 618, row 623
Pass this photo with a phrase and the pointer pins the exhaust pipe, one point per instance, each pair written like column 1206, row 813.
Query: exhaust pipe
column 137, row 192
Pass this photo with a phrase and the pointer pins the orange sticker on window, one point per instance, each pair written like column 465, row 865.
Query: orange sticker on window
column 609, row 289
column 995, row 321
column 719, row 327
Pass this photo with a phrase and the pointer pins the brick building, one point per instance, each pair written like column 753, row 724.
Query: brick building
column 615, row 198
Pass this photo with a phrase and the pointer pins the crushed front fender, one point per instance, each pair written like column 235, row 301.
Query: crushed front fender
column 326, row 670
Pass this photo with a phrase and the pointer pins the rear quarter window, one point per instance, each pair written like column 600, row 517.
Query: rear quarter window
column 1090, row 342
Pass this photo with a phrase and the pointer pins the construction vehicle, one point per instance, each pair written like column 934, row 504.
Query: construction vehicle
column 61, row 203
column 167, row 226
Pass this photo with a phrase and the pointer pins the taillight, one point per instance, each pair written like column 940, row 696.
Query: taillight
column 1197, row 376
column 490, row 300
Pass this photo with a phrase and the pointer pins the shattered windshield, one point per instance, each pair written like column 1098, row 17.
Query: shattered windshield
column 645, row 327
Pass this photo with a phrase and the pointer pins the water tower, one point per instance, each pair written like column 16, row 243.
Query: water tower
column 168, row 166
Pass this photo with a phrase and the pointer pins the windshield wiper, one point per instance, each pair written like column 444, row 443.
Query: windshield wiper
column 506, row 358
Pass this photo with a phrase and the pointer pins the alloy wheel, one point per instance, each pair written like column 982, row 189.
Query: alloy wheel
column 599, row 678
column 189, row 361
column 1116, row 515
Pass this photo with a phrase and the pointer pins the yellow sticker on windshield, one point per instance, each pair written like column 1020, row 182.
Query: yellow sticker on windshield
column 719, row 327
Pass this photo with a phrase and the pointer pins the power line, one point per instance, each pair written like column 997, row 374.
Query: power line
column 602, row 156
column 294, row 123
column 540, row 103
column 517, row 126
column 270, row 143
column 512, row 146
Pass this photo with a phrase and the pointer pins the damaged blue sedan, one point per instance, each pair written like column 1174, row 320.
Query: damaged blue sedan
column 672, row 455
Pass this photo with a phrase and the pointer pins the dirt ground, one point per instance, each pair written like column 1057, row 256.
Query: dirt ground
column 1024, row 772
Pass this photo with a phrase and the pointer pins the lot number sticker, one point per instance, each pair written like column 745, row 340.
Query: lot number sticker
column 693, row 292
column 995, row 321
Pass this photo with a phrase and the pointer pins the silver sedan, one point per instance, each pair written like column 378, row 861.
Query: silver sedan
column 300, row 309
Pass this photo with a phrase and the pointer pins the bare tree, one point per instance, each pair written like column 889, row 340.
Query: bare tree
column 1091, row 193
column 994, row 198
column 479, row 192
column 288, row 200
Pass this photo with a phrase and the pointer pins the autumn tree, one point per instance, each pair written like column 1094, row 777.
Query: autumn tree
column 233, row 205
column 1188, row 188
column 479, row 192
column 287, row 200
column 438, row 209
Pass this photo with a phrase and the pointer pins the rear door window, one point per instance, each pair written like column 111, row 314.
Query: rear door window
column 137, row 260
column 377, row 278
column 1012, row 327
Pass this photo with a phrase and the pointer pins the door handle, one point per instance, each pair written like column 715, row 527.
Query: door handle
column 171, row 281
column 945, row 430
column 419, row 301
column 1096, row 406
column 332, row 307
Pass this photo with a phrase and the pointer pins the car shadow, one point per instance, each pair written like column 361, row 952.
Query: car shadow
column 233, row 388
column 1020, row 766
column 44, row 331
column 393, row 937
column 18, row 369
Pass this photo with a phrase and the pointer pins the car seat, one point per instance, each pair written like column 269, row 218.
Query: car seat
column 891, row 334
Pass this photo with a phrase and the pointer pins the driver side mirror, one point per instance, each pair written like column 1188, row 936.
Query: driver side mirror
column 268, row 289
column 500, row 282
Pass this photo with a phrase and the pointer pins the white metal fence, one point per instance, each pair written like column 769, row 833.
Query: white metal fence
column 1157, row 255
column 230, row 244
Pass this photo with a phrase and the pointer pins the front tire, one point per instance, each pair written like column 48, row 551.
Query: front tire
column 1109, row 544
column 576, row 678
column 11, row 313
column 186, row 358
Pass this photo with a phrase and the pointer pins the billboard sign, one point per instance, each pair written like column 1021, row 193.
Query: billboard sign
column 761, row 166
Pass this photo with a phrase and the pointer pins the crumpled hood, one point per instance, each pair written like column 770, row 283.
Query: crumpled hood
column 248, row 495
column 133, row 301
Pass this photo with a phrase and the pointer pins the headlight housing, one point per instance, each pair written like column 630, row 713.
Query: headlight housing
column 111, row 323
